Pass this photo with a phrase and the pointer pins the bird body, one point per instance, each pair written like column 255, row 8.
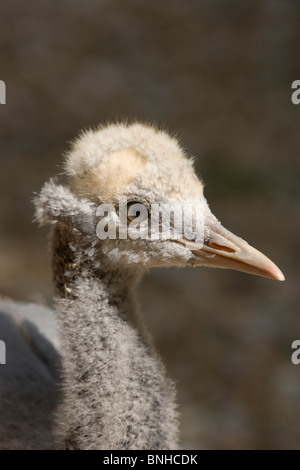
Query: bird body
column 115, row 392
column 30, row 379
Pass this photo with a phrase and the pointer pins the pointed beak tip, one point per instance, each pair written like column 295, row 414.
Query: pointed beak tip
column 279, row 276
column 272, row 271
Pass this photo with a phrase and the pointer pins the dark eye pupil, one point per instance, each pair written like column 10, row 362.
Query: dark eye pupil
column 134, row 214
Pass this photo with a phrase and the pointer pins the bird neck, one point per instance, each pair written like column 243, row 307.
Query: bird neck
column 115, row 391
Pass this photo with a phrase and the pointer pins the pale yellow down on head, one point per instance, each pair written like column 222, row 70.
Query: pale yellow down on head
column 109, row 179
column 102, row 164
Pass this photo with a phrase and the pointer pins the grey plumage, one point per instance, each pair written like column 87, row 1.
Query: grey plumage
column 29, row 382
column 105, row 386
column 115, row 391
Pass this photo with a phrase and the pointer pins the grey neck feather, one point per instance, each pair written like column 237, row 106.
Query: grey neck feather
column 115, row 391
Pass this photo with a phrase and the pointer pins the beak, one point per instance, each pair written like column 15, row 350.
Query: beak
column 223, row 249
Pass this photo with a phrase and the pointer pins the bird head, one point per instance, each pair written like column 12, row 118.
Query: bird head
column 148, row 204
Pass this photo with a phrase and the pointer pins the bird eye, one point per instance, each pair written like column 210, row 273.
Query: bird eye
column 136, row 211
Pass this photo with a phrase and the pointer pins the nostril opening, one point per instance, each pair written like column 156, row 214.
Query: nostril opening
column 221, row 247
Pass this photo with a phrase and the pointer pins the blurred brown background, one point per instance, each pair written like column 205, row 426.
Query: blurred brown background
column 219, row 74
